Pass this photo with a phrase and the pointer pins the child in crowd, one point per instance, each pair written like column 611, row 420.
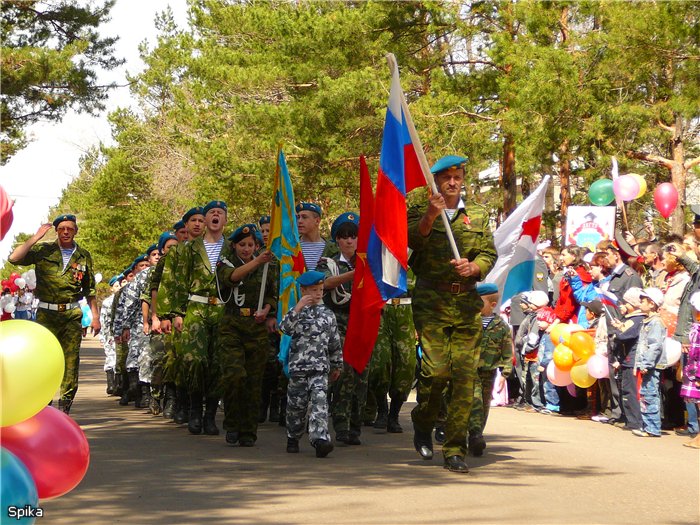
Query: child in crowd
column 546, row 320
column 495, row 353
column 649, row 349
column 691, row 371
column 597, row 320
column 526, row 347
column 314, row 352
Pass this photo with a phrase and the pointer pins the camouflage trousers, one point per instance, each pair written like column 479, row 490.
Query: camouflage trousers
column 449, row 327
column 393, row 363
column 110, row 353
column 308, row 392
column 242, row 352
column 157, row 361
column 172, row 363
column 69, row 332
column 483, row 389
column 198, row 345
column 349, row 394
column 139, row 344
column 122, row 350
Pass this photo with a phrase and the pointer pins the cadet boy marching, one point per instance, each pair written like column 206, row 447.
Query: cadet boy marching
column 63, row 275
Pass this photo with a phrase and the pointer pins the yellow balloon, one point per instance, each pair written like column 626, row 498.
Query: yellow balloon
column 580, row 376
column 642, row 184
column 31, row 369
column 560, row 334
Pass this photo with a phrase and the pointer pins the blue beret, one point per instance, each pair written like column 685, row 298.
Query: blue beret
column 309, row 206
column 265, row 219
column 348, row 216
column 486, row 288
column 165, row 237
column 215, row 204
column 65, row 217
column 115, row 278
column 259, row 238
column 178, row 225
column 447, row 162
column 129, row 269
column 197, row 210
column 242, row 232
column 151, row 248
column 139, row 259
column 310, row 278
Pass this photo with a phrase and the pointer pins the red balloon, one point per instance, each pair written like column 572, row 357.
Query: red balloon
column 5, row 202
column 53, row 448
column 666, row 199
column 6, row 223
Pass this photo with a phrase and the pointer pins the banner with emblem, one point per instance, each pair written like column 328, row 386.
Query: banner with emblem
column 516, row 245
column 285, row 245
column 586, row 226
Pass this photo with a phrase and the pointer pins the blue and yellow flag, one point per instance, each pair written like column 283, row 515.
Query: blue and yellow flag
column 285, row 245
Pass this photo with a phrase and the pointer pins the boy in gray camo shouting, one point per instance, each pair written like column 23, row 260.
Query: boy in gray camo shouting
column 315, row 357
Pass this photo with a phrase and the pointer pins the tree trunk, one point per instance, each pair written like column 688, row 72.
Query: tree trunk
column 678, row 177
column 564, row 178
column 508, row 177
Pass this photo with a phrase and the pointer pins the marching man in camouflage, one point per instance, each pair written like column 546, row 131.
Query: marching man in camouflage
column 63, row 275
column 106, row 335
column 446, row 308
column 495, row 353
column 314, row 353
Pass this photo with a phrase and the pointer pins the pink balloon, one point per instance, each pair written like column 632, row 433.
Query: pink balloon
column 571, row 389
column 666, row 199
column 625, row 188
column 53, row 448
column 598, row 366
column 557, row 377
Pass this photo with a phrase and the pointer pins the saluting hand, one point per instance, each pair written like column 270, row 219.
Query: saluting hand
column 42, row 230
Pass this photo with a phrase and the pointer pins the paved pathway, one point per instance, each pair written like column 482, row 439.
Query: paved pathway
column 536, row 469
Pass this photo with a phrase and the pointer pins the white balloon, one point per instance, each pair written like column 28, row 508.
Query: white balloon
column 20, row 283
column 673, row 350
column 98, row 278
column 9, row 308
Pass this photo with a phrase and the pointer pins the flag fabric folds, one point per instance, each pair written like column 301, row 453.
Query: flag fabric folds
column 399, row 173
column 516, row 245
column 285, row 245
column 367, row 303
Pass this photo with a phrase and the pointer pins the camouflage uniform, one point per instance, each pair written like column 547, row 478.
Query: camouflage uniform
column 349, row 393
column 106, row 334
column 446, row 312
column 129, row 316
column 157, row 341
column 61, row 286
column 243, row 345
column 193, row 280
column 495, row 352
column 165, row 301
column 315, row 349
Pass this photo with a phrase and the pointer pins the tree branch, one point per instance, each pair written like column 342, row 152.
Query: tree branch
column 691, row 163
column 668, row 128
column 651, row 158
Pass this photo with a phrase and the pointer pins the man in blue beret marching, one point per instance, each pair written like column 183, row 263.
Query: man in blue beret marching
column 308, row 224
column 64, row 274
column 106, row 335
column 446, row 308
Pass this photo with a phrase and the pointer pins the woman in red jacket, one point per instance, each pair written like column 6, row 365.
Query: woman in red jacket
column 566, row 307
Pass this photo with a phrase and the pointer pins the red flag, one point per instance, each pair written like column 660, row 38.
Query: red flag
column 367, row 303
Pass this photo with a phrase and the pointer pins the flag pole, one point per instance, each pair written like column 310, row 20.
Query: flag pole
column 262, row 286
column 425, row 168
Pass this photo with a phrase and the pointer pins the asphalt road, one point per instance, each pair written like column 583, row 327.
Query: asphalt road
column 536, row 469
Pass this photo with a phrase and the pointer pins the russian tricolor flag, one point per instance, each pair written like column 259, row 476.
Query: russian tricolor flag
column 516, row 244
column 399, row 173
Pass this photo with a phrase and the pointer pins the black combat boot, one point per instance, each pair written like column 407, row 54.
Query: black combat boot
column 394, row 427
column 134, row 390
column 292, row 445
column 125, row 397
column 156, row 405
column 210, row 428
column 182, row 405
column 118, row 383
column 145, row 400
column 194, row 424
column 169, row 403
column 382, row 414
column 110, row 382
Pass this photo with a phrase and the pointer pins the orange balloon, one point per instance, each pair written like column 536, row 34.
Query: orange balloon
column 583, row 345
column 560, row 334
column 563, row 357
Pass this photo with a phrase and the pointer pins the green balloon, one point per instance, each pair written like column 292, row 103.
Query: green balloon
column 601, row 192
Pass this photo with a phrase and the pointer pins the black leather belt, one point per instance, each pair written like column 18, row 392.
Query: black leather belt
column 453, row 288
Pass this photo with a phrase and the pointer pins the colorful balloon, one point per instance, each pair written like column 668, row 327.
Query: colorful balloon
column 666, row 199
column 6, row 223
column 642, row 184
column 560, row 334
column 597, row 366
column 557, row 377
column 601, row 192
column 582, row 344
column 625, row 188
column 31, row 364
column 571, row 389
column 17, row 488
column 53, row 448
column 563, row 357
column 580, row 376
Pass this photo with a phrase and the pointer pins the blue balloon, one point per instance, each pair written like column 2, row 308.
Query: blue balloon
column 87, row 316
column 17, row 490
